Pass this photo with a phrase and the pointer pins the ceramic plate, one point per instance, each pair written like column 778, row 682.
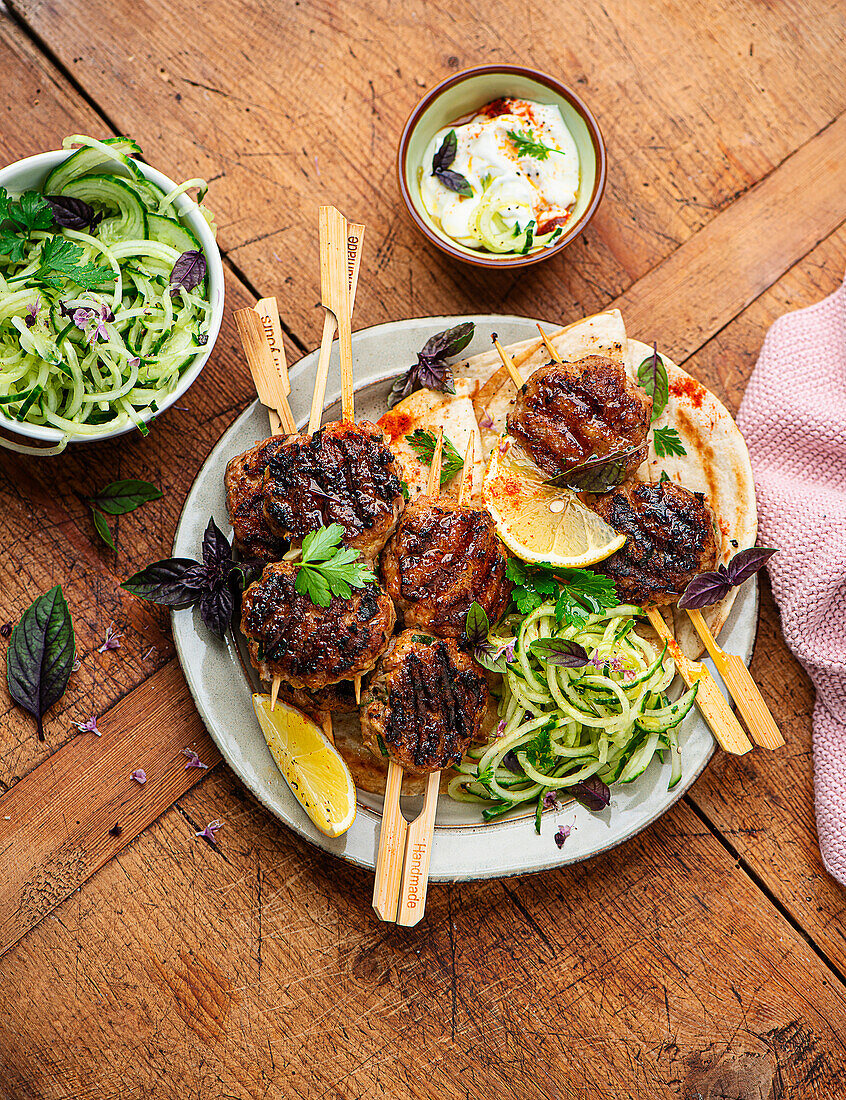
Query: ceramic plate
column 464, row 847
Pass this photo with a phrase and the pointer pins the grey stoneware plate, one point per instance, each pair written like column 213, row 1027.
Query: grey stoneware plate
column 464, row 847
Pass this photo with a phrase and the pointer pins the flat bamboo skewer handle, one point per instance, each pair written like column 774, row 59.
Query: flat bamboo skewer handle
column 392, row 838
column 743, row 689
column 354, row 242
column 269, row 382
column 710, row 700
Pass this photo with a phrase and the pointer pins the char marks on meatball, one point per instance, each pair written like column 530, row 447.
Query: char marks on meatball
column 310, row 646
column 345, row 473
column 444, row 557
column 565, row 413
column 426, row 703
column 670, row 538
column 244, row 481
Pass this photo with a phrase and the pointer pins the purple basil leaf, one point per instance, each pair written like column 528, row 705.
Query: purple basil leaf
column 216, row 607
column 449, row 342
column 591, row 793
column 490, row 656
column 476, row 625
column 40, row 656
column 72, row 213
column 596, row 474
column 434, row 374
column 174, row 582
column 705, row 589
column 188, row 271
column 652, row 375
column 444, row 157
column 557, row 651
column 743, row 565
column 217, row 553
column 454, row 181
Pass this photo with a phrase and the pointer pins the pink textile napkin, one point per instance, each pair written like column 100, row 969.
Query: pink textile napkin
column 793, row 416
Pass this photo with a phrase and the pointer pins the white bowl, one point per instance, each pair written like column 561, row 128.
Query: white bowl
column 30, row 174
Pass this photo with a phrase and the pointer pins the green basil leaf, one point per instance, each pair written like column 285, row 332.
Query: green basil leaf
column 103, row 529
column 41, row 655
column 124, row 496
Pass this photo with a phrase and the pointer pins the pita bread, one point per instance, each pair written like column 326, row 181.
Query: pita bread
column 716, row 464
column 430, row 411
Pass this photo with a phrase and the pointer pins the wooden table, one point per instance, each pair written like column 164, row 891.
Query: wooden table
column 706, row 957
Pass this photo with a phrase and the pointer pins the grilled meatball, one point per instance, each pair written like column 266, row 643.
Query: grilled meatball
column 345, row 473
column 566, row 413
column 244, row 480
column 310, row 646
column 670, row 539
column 335, row 699
column 443, row 557
column 426, row 702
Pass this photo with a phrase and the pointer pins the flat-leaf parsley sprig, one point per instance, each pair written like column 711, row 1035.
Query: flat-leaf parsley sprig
column 423, row 443
column 528, row 146
column 577, row 593
column 326, row 569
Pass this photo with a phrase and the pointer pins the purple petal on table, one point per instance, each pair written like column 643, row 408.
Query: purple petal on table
column 140, row 776
column 193, row 760
column 210, row 830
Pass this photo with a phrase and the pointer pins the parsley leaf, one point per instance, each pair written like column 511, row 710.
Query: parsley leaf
column 327, row 570
column 12, row 245
column 527, row 146
column 59, row 260
column 423, row 443
column 577, row 593
column 28, row 214
column 539, row 752
column 667, row 441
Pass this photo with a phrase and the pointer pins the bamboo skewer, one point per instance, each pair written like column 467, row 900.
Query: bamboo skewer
column 550, row 347
column 340, row 247
column 710, row 700
column 508, row 363
column 269, row 379
column 402, row 862
column 742, row 688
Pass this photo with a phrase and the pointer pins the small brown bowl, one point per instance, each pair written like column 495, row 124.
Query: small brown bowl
column 462, row 95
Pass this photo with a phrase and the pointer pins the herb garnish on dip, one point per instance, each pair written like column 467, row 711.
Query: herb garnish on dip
column 505, row 181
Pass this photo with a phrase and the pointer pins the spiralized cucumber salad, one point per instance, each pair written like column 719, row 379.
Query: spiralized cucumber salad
column 103, row 293
column 583, row 705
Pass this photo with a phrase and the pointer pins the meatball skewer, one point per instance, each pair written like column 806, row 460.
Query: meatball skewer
column 425, row 705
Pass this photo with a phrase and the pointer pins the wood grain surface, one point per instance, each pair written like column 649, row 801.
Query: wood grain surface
column 704, row 958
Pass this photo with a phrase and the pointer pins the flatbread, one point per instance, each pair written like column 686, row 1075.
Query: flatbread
column 430, row 411
column 716, row 464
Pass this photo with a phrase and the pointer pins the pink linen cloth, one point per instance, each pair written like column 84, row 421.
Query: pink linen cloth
column 793, row 416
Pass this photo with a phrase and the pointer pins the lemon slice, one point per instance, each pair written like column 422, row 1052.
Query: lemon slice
column 313, row 767
column 538, row 522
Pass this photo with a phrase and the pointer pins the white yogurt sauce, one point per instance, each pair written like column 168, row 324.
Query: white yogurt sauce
column 519, row 200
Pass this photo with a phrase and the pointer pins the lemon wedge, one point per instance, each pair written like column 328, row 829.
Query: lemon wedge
column 316, row 772
column 539, row 522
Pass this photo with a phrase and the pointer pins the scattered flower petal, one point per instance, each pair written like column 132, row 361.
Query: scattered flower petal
column 140, row 776
column 32, row 312
column 111, row 639
column 210, row 830
column 500, row 729
column 193, row 760
column 562, row 834
column 82, row 316
column 550, row 801
column 487, row 419
column 75, row 667
column 88, row 727
column 6, row 630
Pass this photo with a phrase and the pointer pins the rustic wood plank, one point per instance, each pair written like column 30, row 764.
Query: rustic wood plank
column 693, row 116
column 764, row 806
column 258, row 970
column 81, row 806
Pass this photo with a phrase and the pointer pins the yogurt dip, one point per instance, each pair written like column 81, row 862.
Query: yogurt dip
column 505, row 181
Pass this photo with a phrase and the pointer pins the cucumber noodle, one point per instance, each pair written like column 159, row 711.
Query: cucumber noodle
column 67, row 376
column 561, row 726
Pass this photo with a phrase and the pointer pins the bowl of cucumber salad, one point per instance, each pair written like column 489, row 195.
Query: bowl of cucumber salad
column 111, row 294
